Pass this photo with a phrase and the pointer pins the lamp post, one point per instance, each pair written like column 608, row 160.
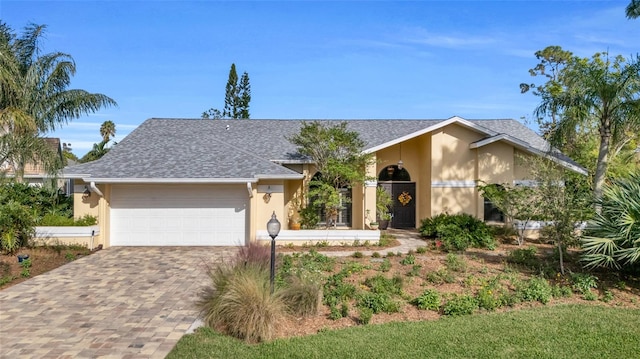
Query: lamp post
column 273, row 228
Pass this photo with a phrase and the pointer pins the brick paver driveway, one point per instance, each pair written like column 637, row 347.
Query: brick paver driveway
column 116, row 303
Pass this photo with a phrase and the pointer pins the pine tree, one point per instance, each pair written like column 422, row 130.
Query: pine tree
column 231, row 95
column 236, row 99
column 244, row 96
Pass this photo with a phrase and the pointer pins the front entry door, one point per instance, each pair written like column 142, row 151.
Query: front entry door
column 404, row 203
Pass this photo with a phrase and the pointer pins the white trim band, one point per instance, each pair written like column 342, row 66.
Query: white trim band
column 453, row 184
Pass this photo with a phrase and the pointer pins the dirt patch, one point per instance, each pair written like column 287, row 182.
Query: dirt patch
column 41, row 260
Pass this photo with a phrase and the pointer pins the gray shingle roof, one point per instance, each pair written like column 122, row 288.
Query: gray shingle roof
column 244, row 149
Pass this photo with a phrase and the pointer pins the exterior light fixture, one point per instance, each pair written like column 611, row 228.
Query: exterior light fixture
column 273, row 228
column 86, row 194
column 400, row 163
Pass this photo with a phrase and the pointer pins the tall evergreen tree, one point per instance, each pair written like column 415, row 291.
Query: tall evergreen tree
column 236, row 99
column 231, row 95
column 244, row 96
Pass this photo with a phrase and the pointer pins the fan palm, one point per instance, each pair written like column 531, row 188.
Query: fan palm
column 613, row 238
column 107, row 130
column 34, row 96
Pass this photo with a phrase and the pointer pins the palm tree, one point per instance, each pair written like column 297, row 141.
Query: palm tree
column 107, row 130
column 633, row 9
column 34, row 96
column 601, row 91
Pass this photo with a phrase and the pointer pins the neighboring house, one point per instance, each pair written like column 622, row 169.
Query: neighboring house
column 34, row 173
column 217, row 182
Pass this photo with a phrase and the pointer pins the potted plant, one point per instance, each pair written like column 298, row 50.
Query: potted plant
column 294, row 212
column 383, row 201
column 373, row 224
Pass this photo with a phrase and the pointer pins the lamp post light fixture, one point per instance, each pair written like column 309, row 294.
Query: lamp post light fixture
column 273, row 228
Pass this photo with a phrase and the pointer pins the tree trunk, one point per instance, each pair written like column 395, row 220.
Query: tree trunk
column 602, row 164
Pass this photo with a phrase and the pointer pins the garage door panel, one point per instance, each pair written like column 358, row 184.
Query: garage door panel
column 178, row 215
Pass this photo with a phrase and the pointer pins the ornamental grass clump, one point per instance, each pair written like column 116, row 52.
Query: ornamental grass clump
column 240, row 304
column 302, row 295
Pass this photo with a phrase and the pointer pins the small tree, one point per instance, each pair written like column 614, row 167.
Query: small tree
column 515, row 202
column 561, row 200
column 338, row 156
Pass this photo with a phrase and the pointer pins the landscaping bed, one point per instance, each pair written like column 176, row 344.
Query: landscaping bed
column 402, row 287
column 41, row 259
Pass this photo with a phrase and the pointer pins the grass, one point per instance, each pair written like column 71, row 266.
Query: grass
column 562, row 331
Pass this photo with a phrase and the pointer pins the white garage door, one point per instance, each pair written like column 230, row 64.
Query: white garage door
column 179, row 215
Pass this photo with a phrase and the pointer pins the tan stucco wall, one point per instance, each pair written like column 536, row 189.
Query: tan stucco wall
column 265, row 209
column 521, row 169
column 496, row 163
column 451, row 157
column 453, row 169
column 93, row 205
column 83, row 207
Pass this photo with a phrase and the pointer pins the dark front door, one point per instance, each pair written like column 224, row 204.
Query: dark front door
column 404, row 203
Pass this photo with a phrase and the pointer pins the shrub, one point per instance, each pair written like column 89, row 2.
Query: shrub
column 16, row 226
column 344, row 310
column 583, row 283
column 365, row 315
column 52, row 219
column 524, row 256
column 415, row 271
column 239, row 302
column 561, row 291
column 440, row 276
column 309, row 217
column 488, row 298
column 536, row 289
column 409, row 259
column 302, row 296
column 458, row 232
column 421, row 250
column 460, row 305
column 385, row 266
column 377, row 302
column 334, row 313
column 357, row 255
column 428, row 300
column 375, row 255
column 381, row 284
column 336, row 290
column 455, row 263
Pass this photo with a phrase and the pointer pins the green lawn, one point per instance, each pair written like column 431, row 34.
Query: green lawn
column 562, row 331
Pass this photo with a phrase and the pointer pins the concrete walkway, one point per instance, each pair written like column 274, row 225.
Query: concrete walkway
column 409, row 241
column 116, row 303
column 120, row 302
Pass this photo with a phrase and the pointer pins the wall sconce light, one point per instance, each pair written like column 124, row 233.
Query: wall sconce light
column 390, row 170
column 267, row 197
column 86, row 193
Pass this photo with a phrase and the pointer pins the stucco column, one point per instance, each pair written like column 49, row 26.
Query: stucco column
column 370, row 193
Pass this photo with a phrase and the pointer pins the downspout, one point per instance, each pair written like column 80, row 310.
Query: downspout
column 95, row 189
column 250, row 189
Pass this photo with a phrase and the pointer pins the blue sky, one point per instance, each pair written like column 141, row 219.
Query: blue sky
column 316, row 59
